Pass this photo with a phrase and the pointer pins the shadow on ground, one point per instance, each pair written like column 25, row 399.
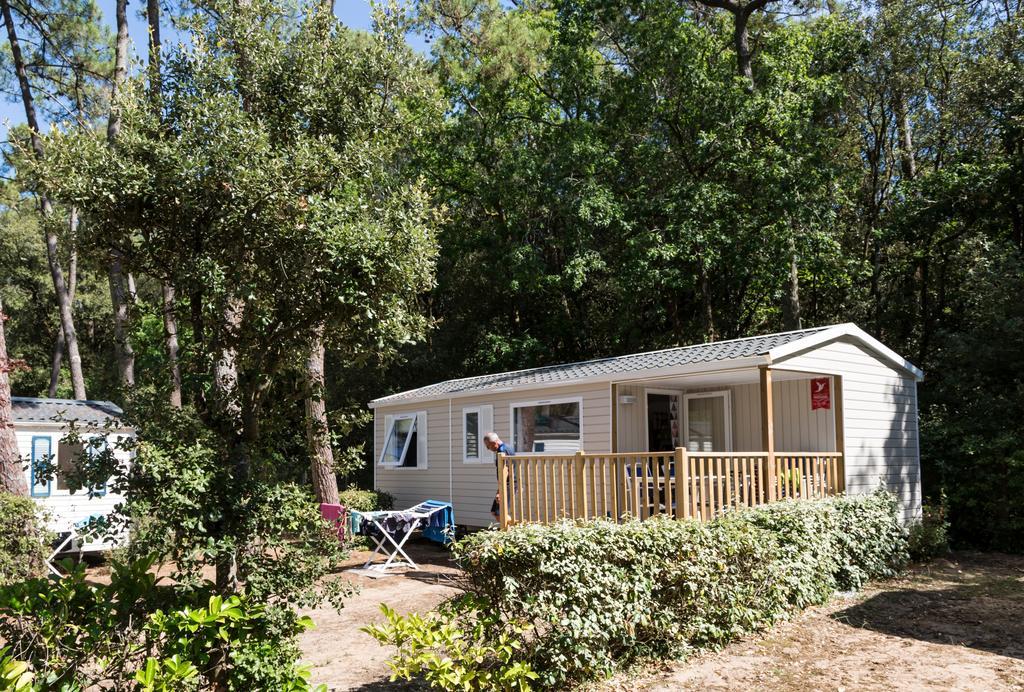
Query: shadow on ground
column 980, row 606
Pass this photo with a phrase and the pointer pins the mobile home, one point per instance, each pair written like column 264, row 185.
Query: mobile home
column 795, row 414
column 41, row 426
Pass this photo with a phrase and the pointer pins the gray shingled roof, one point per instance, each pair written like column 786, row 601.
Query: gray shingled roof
column 27, row 409
column 636, row 362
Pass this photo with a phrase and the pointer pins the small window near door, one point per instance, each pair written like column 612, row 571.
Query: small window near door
column 708, row 424
column 476, row 422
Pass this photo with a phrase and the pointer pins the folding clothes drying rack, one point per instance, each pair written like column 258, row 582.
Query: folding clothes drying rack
column 422, row 516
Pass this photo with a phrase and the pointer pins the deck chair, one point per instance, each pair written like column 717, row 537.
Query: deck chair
column 433, row 517
column 655, row 499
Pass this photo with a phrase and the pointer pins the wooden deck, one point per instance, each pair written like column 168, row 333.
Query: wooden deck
column 682, row 484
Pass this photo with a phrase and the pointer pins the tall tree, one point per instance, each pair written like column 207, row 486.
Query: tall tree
column 46, row 207
column 741, row 11
column 59, row 342
column 115, row 269
column 277, row 190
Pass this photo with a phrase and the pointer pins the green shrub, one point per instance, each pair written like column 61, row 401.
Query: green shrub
column 928, row 537
column 23, row 538
column 461, row 646
column 602, row 594
column 367, row 500
column 77, row 634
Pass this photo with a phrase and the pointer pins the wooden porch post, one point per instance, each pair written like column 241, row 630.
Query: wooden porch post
column 503, row 508
column 682, row 483
column 615, row 418
column 581, row 491
column 840, row 426
column 768, row 431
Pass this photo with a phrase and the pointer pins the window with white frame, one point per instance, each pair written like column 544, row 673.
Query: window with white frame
column 405, row 440
column 70, row 456
column 547, row 426
column 708, row 422
column 477, row 421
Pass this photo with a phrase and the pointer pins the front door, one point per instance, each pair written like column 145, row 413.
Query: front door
column 663, row 421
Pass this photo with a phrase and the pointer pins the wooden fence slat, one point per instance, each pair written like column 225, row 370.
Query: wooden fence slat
column 694, row 478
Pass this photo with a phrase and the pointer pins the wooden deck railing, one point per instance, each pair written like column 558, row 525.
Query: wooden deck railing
column 545, row 488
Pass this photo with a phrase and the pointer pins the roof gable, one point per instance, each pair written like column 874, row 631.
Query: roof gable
column 849, row 329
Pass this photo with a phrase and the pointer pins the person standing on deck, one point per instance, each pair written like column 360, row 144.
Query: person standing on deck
column 494, row 444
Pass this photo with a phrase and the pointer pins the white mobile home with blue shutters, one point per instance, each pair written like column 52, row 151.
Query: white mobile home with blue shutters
column 41, row 426
column 828, row 396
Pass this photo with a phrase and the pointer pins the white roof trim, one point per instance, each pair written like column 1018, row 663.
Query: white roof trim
column 849, row 330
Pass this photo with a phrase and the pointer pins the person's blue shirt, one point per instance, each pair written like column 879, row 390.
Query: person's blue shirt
column 502, row 449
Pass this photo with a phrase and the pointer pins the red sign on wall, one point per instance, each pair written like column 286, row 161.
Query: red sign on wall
column 821, row 395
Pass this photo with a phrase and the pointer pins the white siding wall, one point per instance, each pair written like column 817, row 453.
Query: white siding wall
column 473, row 485
column 63, row 507
column 880, row 405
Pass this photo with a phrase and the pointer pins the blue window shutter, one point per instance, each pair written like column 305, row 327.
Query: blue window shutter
column 40, row 451
column 101, row 489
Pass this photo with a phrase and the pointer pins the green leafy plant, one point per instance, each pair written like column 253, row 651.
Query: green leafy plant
column 75, row 632
column 15, row 675
column 167, row 675
column 80, row 634
column 462, row 646
column 928, row 537
column 23, row 539
column 237, row 639
column 366, row 500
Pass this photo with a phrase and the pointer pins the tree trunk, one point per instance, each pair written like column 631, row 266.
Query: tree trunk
column 791, row 302
column 709, row 315
column 230, row 423
column 120, row 69
column 55, row 361
column 58, row 347
column 12, row 478
column 741, row 40
column 318, row 436
column 155, row 81
column 46, row 208
column 122, row 344
column 908, row 159
column 171, row 337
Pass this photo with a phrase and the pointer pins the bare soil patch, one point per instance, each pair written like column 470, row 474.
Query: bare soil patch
column 343, row 657
column 957, row 624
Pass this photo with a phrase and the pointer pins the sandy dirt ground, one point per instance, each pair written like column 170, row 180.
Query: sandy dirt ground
column 343, row 657
column 957, row 624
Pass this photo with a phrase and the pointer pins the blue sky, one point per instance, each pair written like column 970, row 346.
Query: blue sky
column 353, row 13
